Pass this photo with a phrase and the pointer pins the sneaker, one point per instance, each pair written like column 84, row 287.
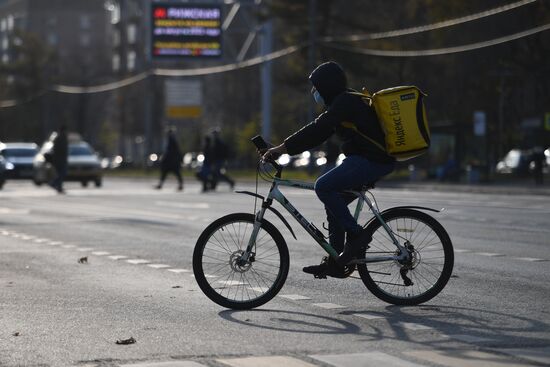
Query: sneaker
column 327, row 267
column 357, row 243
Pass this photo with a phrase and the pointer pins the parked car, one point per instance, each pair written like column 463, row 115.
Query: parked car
column 18, row 159
column 84, row 164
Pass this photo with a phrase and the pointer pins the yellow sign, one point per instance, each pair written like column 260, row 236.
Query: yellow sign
column 176, row 112
column 547, row 121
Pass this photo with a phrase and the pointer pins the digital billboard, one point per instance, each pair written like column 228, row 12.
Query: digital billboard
column 185, row 30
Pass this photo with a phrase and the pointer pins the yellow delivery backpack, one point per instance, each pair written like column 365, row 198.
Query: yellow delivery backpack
column 402, row 115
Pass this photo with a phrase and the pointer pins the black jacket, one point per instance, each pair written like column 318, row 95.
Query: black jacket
column 342, row 106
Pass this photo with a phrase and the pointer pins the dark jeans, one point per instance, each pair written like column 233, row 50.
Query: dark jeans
column 60, row 174
column 218, row 176
column 175, row 170
column 353, row 173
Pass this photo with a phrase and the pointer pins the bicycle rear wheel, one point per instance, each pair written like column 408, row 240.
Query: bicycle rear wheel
column 228, row 281
column 429, row 268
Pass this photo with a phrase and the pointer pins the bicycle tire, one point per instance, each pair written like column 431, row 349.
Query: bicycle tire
column 223, row 241
column 428, row 237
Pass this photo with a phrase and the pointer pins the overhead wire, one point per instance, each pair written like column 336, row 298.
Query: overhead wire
column 440, row 51
column 427, row 27
column 325, row 42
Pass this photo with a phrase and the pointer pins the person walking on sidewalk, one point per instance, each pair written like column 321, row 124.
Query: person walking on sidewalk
column 365, row 162
column 171, row 160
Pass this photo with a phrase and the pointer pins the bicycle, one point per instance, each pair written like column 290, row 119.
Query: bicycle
column 241, row 260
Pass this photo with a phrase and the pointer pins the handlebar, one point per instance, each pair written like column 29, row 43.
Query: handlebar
column 261, row 144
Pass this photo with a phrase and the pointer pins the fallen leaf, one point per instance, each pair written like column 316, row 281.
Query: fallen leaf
column 83, row 260
column 131, row 340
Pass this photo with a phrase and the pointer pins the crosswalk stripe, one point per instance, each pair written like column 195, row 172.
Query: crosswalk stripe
column 294, row 297
column 369, row 316
column 490, row 254
column 270, row 361
column 469, row 338
column 117, row 257
column 536, row 354
column 328, row 306
column 158, row 266
column 532, row 259
column 100, row 253
column 138, row 261
column 165, row 364
column 461, row 358
column 413, row 326
column 368, row 359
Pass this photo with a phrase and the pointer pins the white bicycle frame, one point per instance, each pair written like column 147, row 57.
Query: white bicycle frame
column 277, row 195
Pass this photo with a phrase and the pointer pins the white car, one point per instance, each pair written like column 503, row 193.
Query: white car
column 84, row 165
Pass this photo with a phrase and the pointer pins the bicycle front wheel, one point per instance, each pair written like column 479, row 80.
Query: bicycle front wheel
column 222, row 274
column 424, row 274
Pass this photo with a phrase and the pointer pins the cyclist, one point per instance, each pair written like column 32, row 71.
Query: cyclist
column 350, row 118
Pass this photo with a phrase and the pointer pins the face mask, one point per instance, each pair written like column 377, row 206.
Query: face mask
column 318, row 98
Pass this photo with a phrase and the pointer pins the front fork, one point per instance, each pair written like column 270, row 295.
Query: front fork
column 245, row 257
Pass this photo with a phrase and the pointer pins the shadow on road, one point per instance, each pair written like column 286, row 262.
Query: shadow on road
column 429, row 327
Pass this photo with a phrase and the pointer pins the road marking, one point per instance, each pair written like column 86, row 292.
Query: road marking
column 259, row 289
column 533, row 259
column 469, row 338
column 271, row 361
column 229, row 283
column 294, row 297
column 184, row 205
column 462, row 250
column 364, row 359
column 179, row 270
column 461, row 358
column 490, row 254
column 165, row 364
column 68, row 246
column 158, row 266
column 541, row 355
column 100, row 253
column 328, row 306
column 55, row 243
column 413, row 326
column 138, row 261
column 41, row 240
column 84, row 249
column 26, row 238
column 369, row 316
column 117, row 257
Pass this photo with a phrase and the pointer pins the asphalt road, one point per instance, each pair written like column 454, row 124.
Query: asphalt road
column 138, row 282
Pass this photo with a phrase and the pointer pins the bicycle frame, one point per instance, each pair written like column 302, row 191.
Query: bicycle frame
column 309, row 227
